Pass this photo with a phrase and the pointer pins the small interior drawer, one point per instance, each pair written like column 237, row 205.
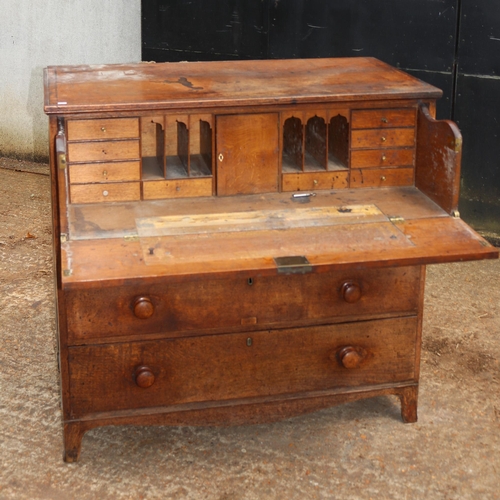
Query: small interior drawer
column 382, row 138
column 381, row 177
column 241, row 365
column 106, row 192
column 240, row 303
column 108, row 128
column 369, row 158
column 305, row 181
column 105, row 172
column 177, row 188
column 383, row 118
column 103, row 151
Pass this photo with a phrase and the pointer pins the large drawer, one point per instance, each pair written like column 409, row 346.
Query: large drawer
column 253, row 302
column 212, row 368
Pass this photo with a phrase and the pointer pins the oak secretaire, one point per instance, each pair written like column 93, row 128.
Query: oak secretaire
column 240, row 242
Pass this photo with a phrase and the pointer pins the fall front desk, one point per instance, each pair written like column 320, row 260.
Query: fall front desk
column 240, row 242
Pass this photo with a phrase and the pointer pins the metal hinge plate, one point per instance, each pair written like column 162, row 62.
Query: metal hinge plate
column 295, row 264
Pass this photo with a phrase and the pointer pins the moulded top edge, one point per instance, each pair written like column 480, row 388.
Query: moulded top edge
column 81, row 89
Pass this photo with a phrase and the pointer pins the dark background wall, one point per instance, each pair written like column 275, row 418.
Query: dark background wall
column 452, row 44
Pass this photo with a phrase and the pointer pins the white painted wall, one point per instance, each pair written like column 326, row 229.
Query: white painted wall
column 38, row 33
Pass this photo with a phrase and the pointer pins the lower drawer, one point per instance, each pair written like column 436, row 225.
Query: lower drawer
column 242, row 365
column 240, row 303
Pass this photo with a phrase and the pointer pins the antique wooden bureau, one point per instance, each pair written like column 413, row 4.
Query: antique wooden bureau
column 239, row 242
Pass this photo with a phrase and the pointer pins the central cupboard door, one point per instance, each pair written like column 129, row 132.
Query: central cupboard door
column 247, row 153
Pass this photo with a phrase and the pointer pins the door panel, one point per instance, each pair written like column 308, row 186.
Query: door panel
column 247, row 154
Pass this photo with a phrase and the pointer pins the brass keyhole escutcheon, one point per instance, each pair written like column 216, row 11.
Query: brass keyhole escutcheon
column 383, row 139
column 249, row 342
column 221, row 157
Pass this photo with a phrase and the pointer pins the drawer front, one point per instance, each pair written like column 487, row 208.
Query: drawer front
column 105, row 172
column 103, row 151
column 381, row 177
column 240, row 304
column 108, row 128
column 382, row 118
column 240, row 365
column 315, row 180
column 177, row 188
column 369, row 158
column 94, row 193
column 379, row 138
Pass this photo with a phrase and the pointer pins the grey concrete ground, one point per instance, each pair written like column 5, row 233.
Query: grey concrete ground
column 356, row 451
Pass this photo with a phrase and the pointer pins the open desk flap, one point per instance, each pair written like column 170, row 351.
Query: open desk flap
column 376, row 228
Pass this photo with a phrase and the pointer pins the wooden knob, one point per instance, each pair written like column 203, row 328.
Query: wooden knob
column 143, row 308
column 351, row 292
column 350, row 357
column 144, row 377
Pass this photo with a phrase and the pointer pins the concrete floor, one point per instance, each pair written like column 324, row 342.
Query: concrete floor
column 356, row 451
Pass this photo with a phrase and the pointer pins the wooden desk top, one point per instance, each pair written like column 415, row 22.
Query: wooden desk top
column 202, row 85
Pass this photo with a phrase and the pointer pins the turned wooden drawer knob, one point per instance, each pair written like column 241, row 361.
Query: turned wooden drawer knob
column 143, row 308
column 351, row 292
column 144, row 377
column 350, row 357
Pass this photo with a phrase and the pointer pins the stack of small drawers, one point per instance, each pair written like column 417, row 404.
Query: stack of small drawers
column 104, row 160
column 382, row 147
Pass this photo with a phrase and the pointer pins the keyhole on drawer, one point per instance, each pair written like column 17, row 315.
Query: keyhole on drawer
column 103, row 129
column 250, row 281
column 249, row 341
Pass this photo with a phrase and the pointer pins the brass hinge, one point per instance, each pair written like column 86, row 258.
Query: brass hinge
column 296, row 264
column 131, row 237
column 396, row 218
column 61, row 161
column 64, row 237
